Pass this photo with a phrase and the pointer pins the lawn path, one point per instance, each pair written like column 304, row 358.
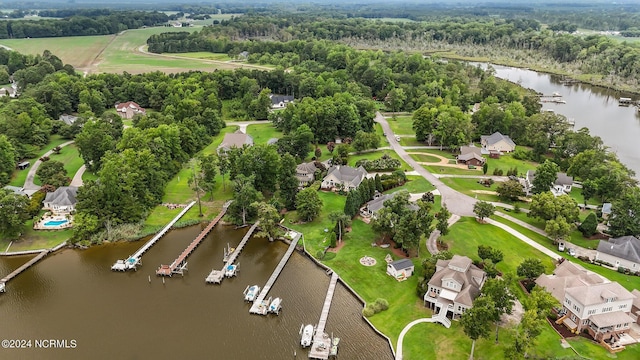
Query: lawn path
column 29, row 186
column 77, row 178
column 527, row 240
column 404, row 332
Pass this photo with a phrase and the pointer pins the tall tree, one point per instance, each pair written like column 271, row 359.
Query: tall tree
column 546, row 175
column 443, row 220
column 244, row 195
column 483, row 209
column 288, row 181
column 269, row 221
column 499, row 290
column 558, row 228
column 53, row 173
column 308, row 204
column 93, row 142
column 8, row 157
column 342, row 221
column 14, row 213
column 530, row 268
column 625, row 214
column 476, row 322
column 224, row 166
column 208, row 166
column 546, row 206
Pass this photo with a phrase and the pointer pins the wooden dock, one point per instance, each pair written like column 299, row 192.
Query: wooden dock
column 22, row 268
column 180, row 263
column 321, row 345
column 258, row 303
column 216, row 276
column 136, row 258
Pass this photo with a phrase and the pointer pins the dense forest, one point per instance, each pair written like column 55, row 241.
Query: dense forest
column 80, row 23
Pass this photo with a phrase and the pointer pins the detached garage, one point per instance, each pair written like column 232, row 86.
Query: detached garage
column 400, row 269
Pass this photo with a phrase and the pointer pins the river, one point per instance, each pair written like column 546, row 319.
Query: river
column 593, row 107
column 73, row 295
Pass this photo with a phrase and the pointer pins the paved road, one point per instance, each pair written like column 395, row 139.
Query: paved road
column 29, row 186
column 456, row 202
column 77, row 178
column 432, row 245
column 520, row 236
column 404, row 332
column 244, row 124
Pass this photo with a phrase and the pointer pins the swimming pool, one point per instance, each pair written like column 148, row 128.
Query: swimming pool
column 52, row 223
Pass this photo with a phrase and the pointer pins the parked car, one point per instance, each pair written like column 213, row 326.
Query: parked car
column 397, row 138
column 572, row 252
column 561, row 246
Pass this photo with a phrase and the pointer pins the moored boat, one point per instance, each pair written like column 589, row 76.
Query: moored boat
column 307, row 335
column 251, row 292
column 230, row 270
column 275, row 306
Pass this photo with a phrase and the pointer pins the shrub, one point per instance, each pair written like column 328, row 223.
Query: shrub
column 368, row 312
column 498, row 172
column 383, row 304
column 375, row 306
column 319, row 254
column 621, row 270
column 522, row 154
column 589, row 225
column 384, row 163
column 516, row 208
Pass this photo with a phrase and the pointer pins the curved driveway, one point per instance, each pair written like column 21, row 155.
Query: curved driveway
column 404, row 332
column 29, row 186
column 457, row 203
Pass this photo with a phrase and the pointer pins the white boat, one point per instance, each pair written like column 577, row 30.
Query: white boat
column 2, row 287
column 230, row 270
column 251, row 292
column 334, row 346
column 275, row 306
column 307, row 335
column 556, row 94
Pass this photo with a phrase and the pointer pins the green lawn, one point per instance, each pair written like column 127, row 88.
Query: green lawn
column 425, row 158
column 416, row 184
column 70, row 157
column 467, row 234
column 261, row 133
column 507, row 162
column 576, row 194
column 36, row 239
column 410, row 141
column 436, row 169
column 89, row 176
column 591, row 350
column 353, row 159
column 204, row 55
column 401, row 125
column 19, row 176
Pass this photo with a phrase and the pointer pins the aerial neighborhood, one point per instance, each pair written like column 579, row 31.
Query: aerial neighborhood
column 464, row 216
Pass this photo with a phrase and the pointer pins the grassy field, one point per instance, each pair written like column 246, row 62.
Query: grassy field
column 19, row 176
column 89, row 176
column 425, row 158
column 36, row 239
column 261, row 133
column 437, row 169
column 204, row 55
column 416, row 184
column 401, row 125
column 410, row 141
column 507, row 162
column 70, row 157
column 467, row 234
column 353, row 159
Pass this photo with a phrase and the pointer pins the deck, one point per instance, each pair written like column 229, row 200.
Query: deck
column 136, row 258
column 321, row 345
column 180, row 264
column 256, row 307
column 22, row 268
column 216, row 276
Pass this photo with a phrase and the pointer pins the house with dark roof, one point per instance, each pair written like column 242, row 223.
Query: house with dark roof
column 590, row 302
column 305, row 173
column 61, row 201
column 454, row 286
column 280, row 101
column 237, row 139
column 401, row 269
column 68, row 119
column 128, row 109
column 471, row 155
column 343, row 177
column 620, row 252
column 371, row 208
column 561, row 186
column 497, row 142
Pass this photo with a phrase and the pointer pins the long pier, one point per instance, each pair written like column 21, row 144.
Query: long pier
column 321, row 345
column 180, row 264
column 258, row 304
column 216, row 276
column 135, row 259
column 22, row 268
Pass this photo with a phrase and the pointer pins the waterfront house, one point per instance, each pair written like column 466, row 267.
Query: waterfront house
column 590, row 303
column 280, row 101
column 620, row 252
column 561, row 186
column 128, row 109
column 343, row 177
column 400, row 269
column 371, row 208
column 471, row 155
column 61, row 201
column 497, row 142
column 454, row 286
column 305, row 173
column 237, row 139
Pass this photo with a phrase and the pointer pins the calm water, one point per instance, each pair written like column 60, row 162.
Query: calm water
column 593, row 107
column 73, row 295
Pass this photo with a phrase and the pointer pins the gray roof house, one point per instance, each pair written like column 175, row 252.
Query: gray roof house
column 305, row 173
column 345, row 177
column 590, row 302
column 497, row 142
column 236, row 139
column 68, row 119
column 453, row 287
column 280, row 101
column 372, row 207
column 63, row 200
column 16, row 190
column 471, row 155
column 561, row 186
column 620, row 252
column 400, row 269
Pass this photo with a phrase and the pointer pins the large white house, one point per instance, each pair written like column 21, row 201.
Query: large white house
column 497, row 142
column 454, row 286
column 589, row 301
column 343, row 177
column 561, row 186
column 61, row 201
column 620, row 252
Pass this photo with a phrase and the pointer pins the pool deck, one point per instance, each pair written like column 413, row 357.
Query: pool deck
column 41, row 225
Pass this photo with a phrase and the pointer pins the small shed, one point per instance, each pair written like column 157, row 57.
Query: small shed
column 606, row 210
column 400, row 269
column 23, row 165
